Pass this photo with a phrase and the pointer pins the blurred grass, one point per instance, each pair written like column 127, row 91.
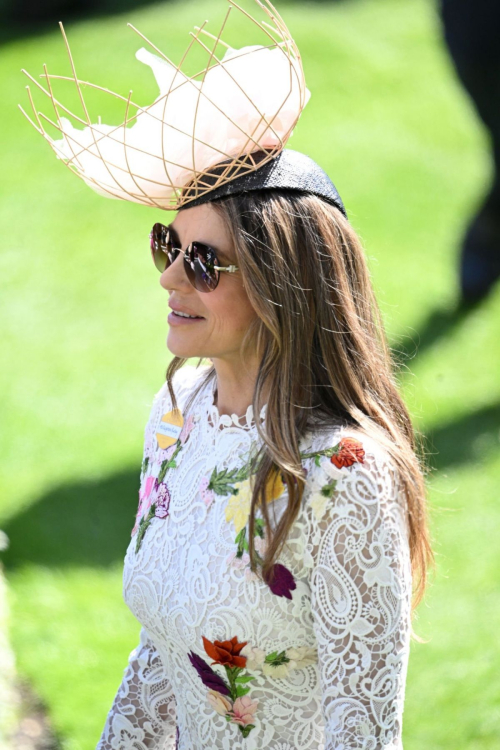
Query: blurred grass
column 84, row 323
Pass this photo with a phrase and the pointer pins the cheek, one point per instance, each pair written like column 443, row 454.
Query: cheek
column 232, row 311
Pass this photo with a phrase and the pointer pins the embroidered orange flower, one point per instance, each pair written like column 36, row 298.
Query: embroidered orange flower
column 350, row 451
column 226, row 653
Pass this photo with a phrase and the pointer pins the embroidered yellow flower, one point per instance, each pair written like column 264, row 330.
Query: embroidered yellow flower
column 301, row 656
column 318, row 504
column 278, row 671
column 238, row 507
column 274, row 487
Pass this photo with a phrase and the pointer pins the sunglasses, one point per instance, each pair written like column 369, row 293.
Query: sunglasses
column 200, row 261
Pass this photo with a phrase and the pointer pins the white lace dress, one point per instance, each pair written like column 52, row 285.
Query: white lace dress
column 314, row 660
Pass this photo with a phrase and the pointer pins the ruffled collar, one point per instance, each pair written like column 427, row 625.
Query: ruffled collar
column 219, row 422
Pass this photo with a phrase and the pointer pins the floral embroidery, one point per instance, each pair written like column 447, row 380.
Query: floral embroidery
column 279, row 664
column 144, row 502
column 159, row 508
column 345, row 454
column 281, row 581
column 225, row 652
column 229, row 696
column 238, row 484
column 206, row 495
column 349, row 452
column 238, row 507
column 162, row 501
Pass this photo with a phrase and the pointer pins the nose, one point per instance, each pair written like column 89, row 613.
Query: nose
column 174, row 277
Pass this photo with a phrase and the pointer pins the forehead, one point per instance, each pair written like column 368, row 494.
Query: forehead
column 202, row 223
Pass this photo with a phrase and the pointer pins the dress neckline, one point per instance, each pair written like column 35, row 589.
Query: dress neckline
column 221, row 422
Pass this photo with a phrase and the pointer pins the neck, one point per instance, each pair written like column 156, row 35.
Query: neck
column 235, row 385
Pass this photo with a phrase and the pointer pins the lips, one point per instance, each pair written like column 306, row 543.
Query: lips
column 178, row 308
column 187, row 316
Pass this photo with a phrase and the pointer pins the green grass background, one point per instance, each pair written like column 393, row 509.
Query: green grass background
column 83, row 347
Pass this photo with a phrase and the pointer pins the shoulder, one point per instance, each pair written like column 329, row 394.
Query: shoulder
column 346, row 465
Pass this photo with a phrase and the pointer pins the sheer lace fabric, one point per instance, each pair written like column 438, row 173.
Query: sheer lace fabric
column 350, row 607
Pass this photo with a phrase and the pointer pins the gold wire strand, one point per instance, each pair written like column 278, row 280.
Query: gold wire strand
column 212, row 56
column 202, row 180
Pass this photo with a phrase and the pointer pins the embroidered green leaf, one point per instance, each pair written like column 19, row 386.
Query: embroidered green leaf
column 169, row 463
column 240, row 691
column 245, row 731
column 145, row 463
column 143, row 525
column 163, row 471
column 259, row 527
column 317, row 461
column 329, row 452
column 221, row 482
column 242, row 543
column 277, row 659
column 245, row 678
column 328, row 489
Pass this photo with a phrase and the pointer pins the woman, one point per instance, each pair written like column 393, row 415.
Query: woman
column 281, row 536
column 307, row 647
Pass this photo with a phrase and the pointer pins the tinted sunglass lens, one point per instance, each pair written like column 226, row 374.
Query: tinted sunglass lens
column 202, row 273
column 161, row 247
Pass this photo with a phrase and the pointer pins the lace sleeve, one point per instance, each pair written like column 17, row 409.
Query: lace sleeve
column 360, row 593
column 143, row 714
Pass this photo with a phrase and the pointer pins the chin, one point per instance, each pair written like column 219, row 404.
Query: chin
column 184, row 349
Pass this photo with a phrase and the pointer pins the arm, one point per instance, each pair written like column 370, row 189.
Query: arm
column 143, row 714
column 361, row 598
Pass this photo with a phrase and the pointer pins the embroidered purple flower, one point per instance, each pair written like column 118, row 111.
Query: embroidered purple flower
column 206, row 495
column 281, row 581
column 186, row 430
column 207, row 675
column 162, row 501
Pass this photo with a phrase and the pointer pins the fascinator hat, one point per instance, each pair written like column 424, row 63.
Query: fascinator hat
column 219, row 132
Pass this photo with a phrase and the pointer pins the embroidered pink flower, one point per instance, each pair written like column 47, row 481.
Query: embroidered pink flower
column 206, row 495
column 260, row 545
column 144, row 500
column 250, row 575
column 238, row 562
column 162, row 500
column 186, row 430
column 243, row 711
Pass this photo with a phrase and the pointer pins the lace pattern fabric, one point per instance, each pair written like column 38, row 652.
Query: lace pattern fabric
column 317, row 662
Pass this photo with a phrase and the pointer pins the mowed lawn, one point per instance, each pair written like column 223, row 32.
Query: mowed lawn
column 83, row 346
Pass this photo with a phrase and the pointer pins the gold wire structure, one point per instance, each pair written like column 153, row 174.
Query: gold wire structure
column 172, row 195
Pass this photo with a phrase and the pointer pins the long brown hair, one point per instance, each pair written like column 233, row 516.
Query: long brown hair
column 323, row 352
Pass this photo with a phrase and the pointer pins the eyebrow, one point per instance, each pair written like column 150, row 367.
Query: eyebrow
column 221, row 255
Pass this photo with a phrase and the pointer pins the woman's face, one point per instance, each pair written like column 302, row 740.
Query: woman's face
column 225, row 313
